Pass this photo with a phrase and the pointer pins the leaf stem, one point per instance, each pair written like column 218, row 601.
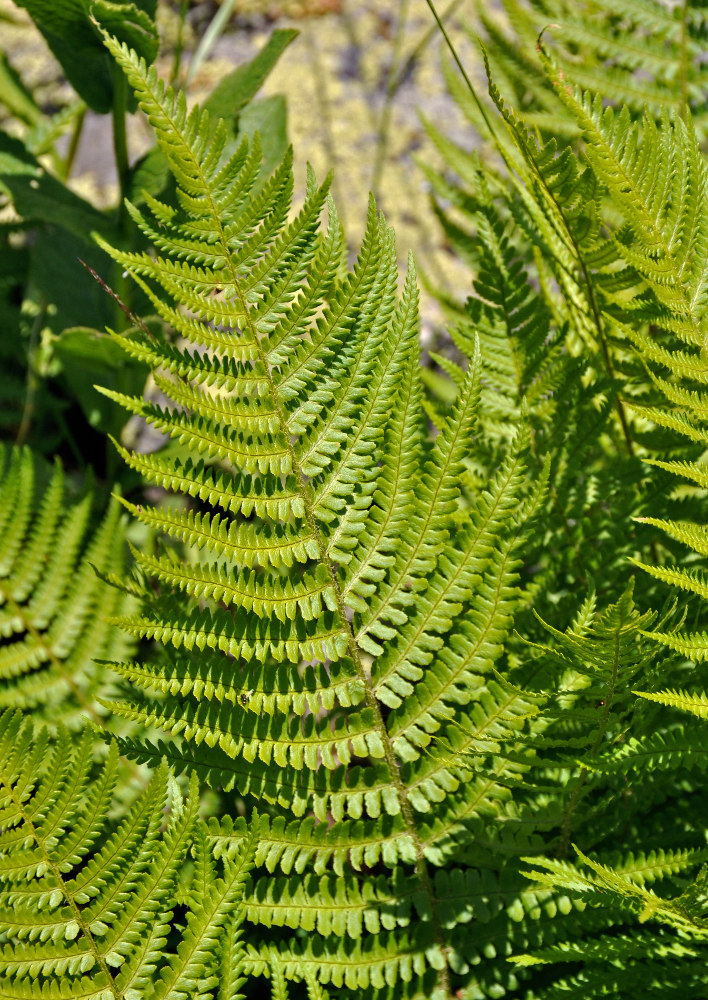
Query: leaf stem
column 683, row 62
column 179, row 45
column 68, row 161
column 33, row 376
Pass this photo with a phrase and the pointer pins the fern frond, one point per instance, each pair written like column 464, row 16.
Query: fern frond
column 334, row 563
column 620, row 889
column 696, row 704
column 54, row 600
column 87, row 905
column 643, row 55
column 656, row 177
column 659, row 751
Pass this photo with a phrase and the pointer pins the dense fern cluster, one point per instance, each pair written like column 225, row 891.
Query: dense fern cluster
column 415, row 658
column 87, row 904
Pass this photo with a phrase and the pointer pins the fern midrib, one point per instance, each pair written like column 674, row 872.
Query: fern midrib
column 311, row 902
column 198, row 580
column 376, row 374
column 151, row 627
column 185, row 956
column 581, row 31
column 167, row 871
column 179, row 684
column 485, row 784
column 427, row 702
column 312, row 345
column 507, row 312
column 194, row 530
column 166, row 422
column 592, row 302
column 394, row 507
column 650, row 222
column 151, row 468
column 52, row 658
column 253, row 744
column 394, row 586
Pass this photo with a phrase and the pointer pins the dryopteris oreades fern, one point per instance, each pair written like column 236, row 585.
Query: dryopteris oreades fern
column 646, row 56
column 87, row 905
column 53, row 606
column 618, row 294
column 664, row 242
column 654, row 177
column 350, row 594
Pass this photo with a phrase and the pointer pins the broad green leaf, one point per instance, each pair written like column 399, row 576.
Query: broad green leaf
column 89, row 357
column 71, row 35
column 37, row 196
column 269, row 118
column 15, row 96
column 234, row 92
column 150, row 174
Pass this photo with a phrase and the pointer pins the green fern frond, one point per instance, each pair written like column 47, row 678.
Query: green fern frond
column 54, row 599
column 656, row 178
column 334, row 565
column 612, row 240
column 643, row 55
column 659, row 751
column 86, row 904
column 620, row 889
column 696, row 704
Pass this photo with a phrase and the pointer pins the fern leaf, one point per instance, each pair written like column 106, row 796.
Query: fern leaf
column 87, row 905
column 696, row 704
column 53, row 603
column 334, row 560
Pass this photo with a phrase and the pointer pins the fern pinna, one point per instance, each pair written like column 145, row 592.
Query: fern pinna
column 343, row 589
column 87, row 905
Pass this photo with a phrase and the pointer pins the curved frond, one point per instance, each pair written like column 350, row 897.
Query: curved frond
column 328, row 559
